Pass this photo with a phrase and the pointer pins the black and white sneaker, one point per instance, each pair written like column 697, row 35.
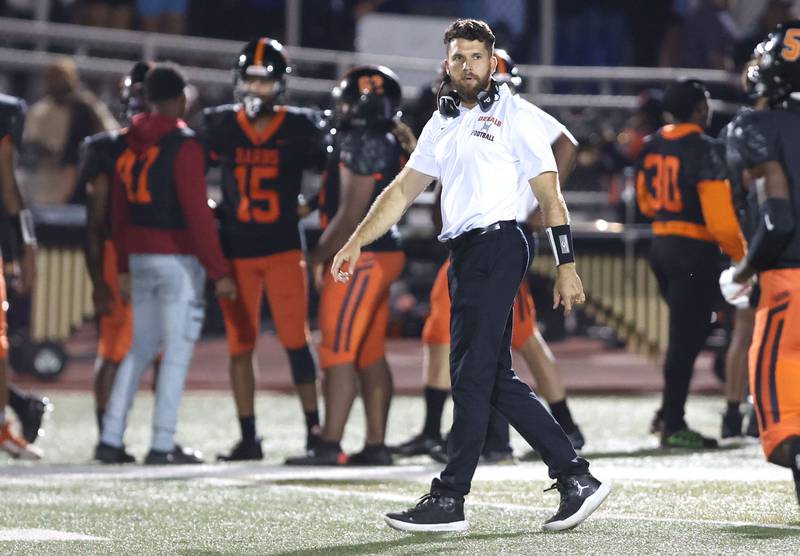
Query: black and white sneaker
column 433, row 513
column 245, row 450
column 419, row 445
column 731, row 430
column 106, row 453
column 31, row 418
column 580, row 496
column 371, row 455
column 178, row 456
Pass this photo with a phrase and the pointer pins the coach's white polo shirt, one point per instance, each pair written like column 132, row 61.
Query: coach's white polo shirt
column 480, row 158
column 553, row 129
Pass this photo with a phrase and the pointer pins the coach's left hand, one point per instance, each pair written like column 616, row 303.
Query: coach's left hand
column 568, row 290
column 348, row 254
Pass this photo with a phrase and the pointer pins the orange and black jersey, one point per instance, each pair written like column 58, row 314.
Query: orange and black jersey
column 261, row 175
column 99, row 154
column 774, row 135
column 366, row 152
column 681, row 184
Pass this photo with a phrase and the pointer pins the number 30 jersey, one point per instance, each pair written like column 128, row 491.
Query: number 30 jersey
column 261, row 176
column 681, row 183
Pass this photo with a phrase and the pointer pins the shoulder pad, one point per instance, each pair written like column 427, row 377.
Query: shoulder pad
column 216, row 116
column 367, row 151
column 750, row 137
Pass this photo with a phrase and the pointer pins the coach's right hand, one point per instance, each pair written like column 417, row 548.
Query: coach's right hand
column 225, row 288
column 348, row 254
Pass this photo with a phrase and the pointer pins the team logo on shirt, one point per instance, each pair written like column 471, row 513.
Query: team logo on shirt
column 488, row 122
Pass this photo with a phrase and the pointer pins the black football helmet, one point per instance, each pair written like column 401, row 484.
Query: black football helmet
column 262, row 58
column 779, row 64
column 367, row 96
column 507, row 71
column 131, row 91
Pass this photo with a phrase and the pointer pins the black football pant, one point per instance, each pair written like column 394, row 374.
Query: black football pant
column 485, row 273
column 687, row 271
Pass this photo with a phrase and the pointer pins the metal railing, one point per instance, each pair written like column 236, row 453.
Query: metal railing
column 207, row 60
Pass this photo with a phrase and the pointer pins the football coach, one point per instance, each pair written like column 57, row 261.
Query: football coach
column 484, row 145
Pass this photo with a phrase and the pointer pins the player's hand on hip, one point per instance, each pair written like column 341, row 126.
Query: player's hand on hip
column 225, row 288
column 568, row 289
column 125, row 287
column 348, row 254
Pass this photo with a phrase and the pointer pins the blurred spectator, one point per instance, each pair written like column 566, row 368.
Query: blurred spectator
column 651, row 31
column 116, row 14
column 52, row 10
column 163, row 16
column 54, row 129
column 709, row 37
column 332, row 24
column 508, row 19
column 590, row 32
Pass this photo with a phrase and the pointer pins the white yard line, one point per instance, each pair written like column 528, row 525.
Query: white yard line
column 534, row 472
column 404, row 499
column 40, row 535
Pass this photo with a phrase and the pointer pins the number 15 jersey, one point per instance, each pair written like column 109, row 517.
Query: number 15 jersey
column 261, row 176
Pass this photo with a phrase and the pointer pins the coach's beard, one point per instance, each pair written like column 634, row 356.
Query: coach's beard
column 468, row 90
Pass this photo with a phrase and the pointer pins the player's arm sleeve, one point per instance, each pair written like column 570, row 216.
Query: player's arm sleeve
column 643, row 198
column 423, row 159
column 716, row 202
column 190, row 183
column 530, row 146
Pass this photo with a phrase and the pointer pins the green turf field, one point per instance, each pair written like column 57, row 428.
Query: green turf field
column 728, row 502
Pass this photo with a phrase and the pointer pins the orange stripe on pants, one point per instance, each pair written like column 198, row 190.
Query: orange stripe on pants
column 775, row 358
column 116, row 328
column 353, row 316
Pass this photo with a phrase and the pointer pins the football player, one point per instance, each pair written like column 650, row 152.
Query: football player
column 353, row 317
column 768, row 142
column 681, row 184
column 98, row 158
column 263, row 148
column 16, row 223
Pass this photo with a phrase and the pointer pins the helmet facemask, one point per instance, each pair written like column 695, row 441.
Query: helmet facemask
column 258, row 94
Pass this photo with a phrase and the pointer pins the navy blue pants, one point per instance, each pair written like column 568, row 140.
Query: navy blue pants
column 485, row 273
